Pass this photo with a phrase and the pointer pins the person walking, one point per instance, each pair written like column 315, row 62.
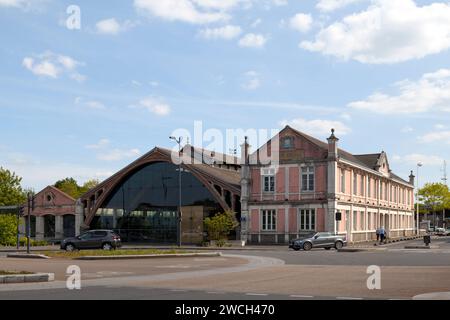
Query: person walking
column 382, row 235
column 378, row 234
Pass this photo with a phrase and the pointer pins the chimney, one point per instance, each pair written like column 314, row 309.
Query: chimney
column 411, row 178
column 245, row 149
column 332, row 146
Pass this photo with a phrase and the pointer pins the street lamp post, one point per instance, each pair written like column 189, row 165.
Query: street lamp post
column 179, row 214
column 417, row 200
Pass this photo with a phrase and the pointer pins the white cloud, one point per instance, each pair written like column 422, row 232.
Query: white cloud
column 227, row 32
column 437, row 136
column 256, row 23
column 92, row 104
column 118, row 154
column 251, row 40
column 387, row 32
column 112, row 26
column 53, row 65
column 22, row 4
column 155, row 106
column 105, row 153
column 430, row 93
column 317, row 127
column 415, row 158
column 332, row 5
column 252, row 80
column 301, row 22
column 103, row 143
column 190, row 11
column 108, row 26
column 407, row 129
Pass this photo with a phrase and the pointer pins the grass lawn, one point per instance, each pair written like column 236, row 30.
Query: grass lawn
column 120, row 252
column 13, row 273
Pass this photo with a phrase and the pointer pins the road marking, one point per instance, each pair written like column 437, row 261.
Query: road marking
column 178, row 290
column 348, row 298
column 257, row 294
column 212, row 292
column 300, row 296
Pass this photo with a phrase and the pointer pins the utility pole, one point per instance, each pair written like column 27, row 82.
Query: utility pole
column 30, row 200
column 444, row 170
column 179, row 215
column 417, row 200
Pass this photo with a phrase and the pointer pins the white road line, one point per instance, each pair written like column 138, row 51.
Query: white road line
column 348, row 298
column 177, row 290
column 257, row 294
column 300, row 296
column 212, row 292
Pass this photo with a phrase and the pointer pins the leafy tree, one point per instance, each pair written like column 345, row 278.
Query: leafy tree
column 220, row 226
column 69, row 186
column 435, row 196
column 88, row 185
column 11, row 192
column 8, row 230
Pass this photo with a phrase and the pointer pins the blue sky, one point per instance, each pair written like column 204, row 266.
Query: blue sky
column 85, row 102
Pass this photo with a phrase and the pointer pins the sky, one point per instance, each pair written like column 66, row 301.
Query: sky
column 87, row 87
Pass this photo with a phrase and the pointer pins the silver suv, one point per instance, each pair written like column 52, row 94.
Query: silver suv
column 326, row 240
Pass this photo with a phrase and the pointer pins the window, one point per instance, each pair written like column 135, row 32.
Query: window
column 369, row 188
column 308, row 179
column 268, row 180
column 269, row 183
column 361, row 187
column 342, row 181
column 355, row 183
column 287, row 143
column 369, row 221
column 269, row 220
column 362, row 221
column 307, row 220
column 355, row 220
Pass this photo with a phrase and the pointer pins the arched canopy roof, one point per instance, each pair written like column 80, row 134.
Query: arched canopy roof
column 210, row 176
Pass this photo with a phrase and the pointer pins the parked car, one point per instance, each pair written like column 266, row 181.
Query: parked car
column 442, row 232
column 326, row 240
column 94, row 239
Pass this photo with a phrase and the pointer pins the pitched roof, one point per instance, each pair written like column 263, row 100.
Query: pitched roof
column 368, row 161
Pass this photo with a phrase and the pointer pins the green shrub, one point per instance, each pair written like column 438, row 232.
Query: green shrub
column 220, row 226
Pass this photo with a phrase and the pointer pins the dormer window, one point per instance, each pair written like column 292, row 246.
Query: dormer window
column 287, row 143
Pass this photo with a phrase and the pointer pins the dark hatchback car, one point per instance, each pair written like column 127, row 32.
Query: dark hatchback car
column 326, row 240
column 94, row 239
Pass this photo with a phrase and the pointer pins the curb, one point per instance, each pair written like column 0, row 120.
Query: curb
column 361, row 249
column 421, row 247
column 27, row 278
column 151, row 256
column 27, row 256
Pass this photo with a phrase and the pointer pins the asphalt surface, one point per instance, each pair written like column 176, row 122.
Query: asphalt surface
column 278, row 274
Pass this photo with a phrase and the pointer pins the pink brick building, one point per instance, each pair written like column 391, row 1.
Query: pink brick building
column 308, row 181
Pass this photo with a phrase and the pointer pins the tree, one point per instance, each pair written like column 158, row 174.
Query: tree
column 88, row 185
column 220, row 226
column 69, row 186
column 8, row 230
column 435, row 196
column 11, row 192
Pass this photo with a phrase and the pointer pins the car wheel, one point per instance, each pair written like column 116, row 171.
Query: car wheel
column 107, row 247
column 70, row 247
column 338, row 245
column 327, row 248
column 307, row 246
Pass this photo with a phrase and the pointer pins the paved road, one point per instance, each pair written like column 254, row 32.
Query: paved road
column 118, row 293
column 317, row 274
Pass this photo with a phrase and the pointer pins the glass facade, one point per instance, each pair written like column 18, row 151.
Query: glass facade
column 143, row 207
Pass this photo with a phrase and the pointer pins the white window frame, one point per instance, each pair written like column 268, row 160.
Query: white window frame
column 342, row 180
column 310, row 170
column 267, row 221
column 268, row 173
column 308, row 216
